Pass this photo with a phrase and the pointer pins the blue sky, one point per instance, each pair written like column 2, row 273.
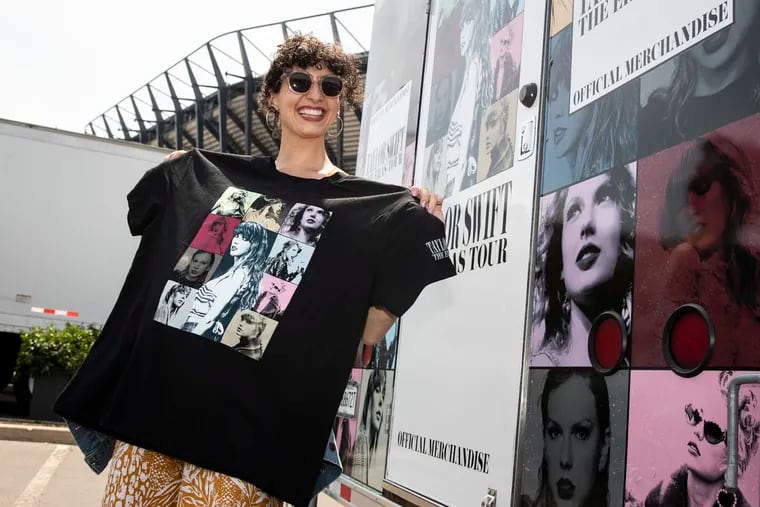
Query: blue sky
column 67, row 61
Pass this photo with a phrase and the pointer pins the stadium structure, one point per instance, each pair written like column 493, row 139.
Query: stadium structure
column 208, row 99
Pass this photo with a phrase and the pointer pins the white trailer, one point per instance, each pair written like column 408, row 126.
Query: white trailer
column 66, row 245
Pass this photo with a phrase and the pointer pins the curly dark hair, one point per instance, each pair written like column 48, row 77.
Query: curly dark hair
column 308, row 51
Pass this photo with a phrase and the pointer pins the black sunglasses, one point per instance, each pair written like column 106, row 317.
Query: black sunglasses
column 713, row 433
column 300, row 82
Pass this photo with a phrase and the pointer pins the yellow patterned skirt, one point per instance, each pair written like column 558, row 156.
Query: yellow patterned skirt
column 143, row 478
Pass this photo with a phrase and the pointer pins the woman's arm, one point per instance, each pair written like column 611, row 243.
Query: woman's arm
column 379, row 322
column 379, row 319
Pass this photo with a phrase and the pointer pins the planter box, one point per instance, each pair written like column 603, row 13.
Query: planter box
column 45, row 392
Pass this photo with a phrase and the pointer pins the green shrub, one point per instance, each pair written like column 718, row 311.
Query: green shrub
column 54, row 350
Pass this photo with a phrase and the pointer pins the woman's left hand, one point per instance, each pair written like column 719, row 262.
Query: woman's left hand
column 429, row 200
column 175, row 154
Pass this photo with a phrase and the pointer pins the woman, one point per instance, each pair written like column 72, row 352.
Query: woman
column 584, row 267
column 705, row 224
column 304, row 223
column 197, row 270
column 233, row 205
column 283, row 265
column 701, row 478
column 266, row 212
column 268, row 303
column 370, row 427
column 249, row 334
column 223, row 427
column 475, row 94
column 714, row 84
column 248, row 250
column 169, row 311
column 575, row 417
column 214, row 238
column 592, row 139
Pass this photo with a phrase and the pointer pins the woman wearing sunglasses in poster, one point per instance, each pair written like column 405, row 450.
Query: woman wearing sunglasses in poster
column 706, row 225
column 697, row 441
column 205, row 425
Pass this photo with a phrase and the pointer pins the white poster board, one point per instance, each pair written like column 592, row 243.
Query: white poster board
column 384, row 161
column 459, row 371
column 646, row 34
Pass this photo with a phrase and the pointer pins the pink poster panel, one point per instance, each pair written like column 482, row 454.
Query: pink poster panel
column 676, row 437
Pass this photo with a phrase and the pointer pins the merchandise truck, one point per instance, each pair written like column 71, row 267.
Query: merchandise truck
column 600, row 163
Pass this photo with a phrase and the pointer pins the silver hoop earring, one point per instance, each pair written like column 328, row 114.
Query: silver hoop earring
column 272, row 121
column 338, row 121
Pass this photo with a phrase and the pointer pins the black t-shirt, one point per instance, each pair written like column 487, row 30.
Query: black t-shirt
column 301, row 262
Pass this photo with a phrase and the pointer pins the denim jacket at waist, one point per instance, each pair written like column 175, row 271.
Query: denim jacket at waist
column 98, row 450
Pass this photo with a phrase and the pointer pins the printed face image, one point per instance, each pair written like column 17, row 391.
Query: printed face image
column 722, row 48
column 496, row 148
column 376, row 406
column 250, row 327
column 288, row 259
column 575, row 438
column 215, row 234
column 703, row 218
column 563, row 130
column 706, row 435
column 495, row 131
column 370, row 450
column 199, row 265
column 239, row 246
column 304, row 223
column 590, row 236
column 195, row 267
column 292, row 251
column 677, row 445
column 180, row 297
column 572, row 441
column 313, row 218
column 249, row 334
column 507, row 42
column 274, row 297
column 504, row 44
column 441, row 104
column 174, row 304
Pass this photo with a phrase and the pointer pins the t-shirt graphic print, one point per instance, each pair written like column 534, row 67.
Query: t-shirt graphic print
column 242, row 268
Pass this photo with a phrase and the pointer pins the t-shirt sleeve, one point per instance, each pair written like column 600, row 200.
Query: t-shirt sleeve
column 148, row 198
column 415, row 256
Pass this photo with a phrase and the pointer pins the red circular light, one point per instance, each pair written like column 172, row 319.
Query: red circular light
column 608, row 343
column 689, row 340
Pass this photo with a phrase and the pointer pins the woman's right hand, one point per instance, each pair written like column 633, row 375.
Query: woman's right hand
column 175, row 154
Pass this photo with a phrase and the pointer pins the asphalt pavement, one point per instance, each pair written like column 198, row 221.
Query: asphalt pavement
column 43, row 474
column 41, row 467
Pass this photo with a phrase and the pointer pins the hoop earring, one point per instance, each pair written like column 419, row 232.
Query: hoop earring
column 330, row 135
column 273, row 124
